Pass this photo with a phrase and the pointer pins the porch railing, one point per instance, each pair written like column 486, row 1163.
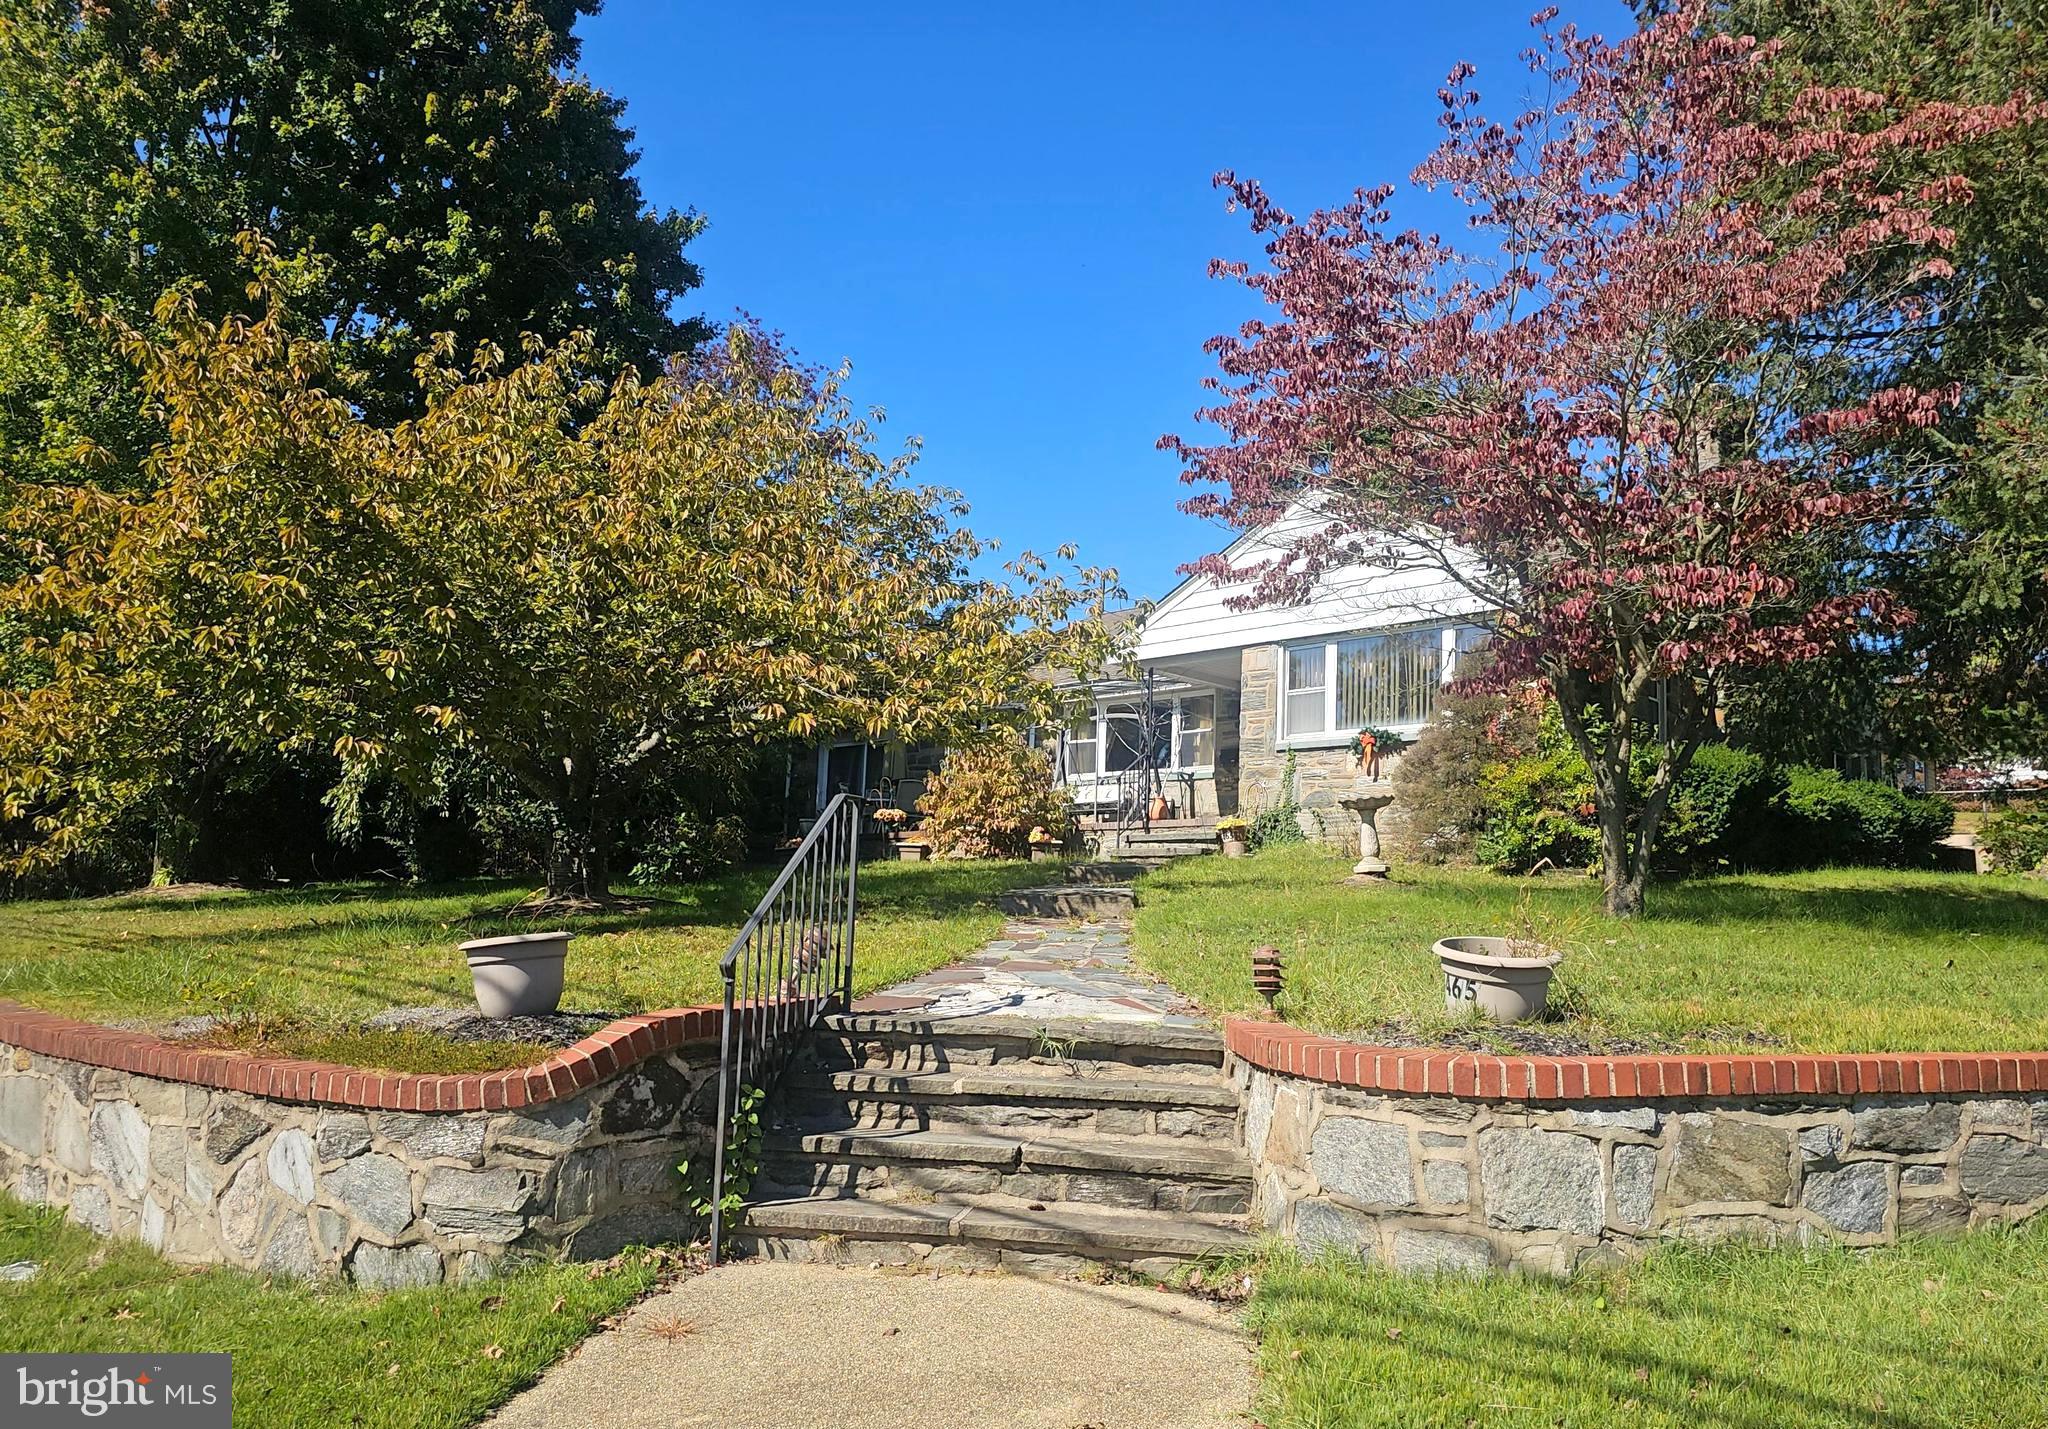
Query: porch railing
column 790, row 965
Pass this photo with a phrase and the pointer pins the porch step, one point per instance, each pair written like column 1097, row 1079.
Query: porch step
column 972, row 1168
column 1154, row 854
column 1160, row 834
column 1089, row 903
column 1043, row 1237
column 1100, row 873
column 1012, row 1099
column 1153, row 846
column 1074, row 1046
column 989, row 1142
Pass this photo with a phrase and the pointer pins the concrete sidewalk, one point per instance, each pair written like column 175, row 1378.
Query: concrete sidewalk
column 776, row 1345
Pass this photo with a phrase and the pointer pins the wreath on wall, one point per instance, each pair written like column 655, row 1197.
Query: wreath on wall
column 1370, row 745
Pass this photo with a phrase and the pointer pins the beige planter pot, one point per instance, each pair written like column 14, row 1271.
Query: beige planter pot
column 1483, row 972
column 913, row 853
column 517, row 976
column 1234, row 848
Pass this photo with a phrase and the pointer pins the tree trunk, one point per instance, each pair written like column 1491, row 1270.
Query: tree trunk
column 186, row 848
column 1623, row 896
column 579, row 864
column 578, row 868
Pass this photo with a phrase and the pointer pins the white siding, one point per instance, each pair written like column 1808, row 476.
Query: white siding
column 1198, row 615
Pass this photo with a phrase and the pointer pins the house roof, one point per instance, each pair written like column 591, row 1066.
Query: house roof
column 1115, row 622
column 1200, row 614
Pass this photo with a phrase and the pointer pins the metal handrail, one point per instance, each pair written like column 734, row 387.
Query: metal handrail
column 791, row 964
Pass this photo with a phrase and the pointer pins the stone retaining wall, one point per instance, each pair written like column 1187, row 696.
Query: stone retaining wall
column 1367, row 1149
column 331, row 1171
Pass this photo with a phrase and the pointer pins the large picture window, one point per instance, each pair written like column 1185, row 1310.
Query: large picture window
column 1111, row 737
column 1333, row 688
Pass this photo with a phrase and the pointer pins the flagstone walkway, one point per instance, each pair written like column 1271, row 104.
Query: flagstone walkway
column 1042, row 969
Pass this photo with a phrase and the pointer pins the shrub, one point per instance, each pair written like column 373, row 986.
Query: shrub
column 1848, row 821
column 1440, row 780
column 1495, row 778
column 1538, row 807
column 2016, row 837
column 987, row 798
column 689, row 845
column 1281, row 823
column 1725, row 813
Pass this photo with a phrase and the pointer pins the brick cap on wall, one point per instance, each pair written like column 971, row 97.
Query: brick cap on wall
column 604, row 1052
column 1278, row 1047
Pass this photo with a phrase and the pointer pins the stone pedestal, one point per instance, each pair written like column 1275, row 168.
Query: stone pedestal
column 1366, row 802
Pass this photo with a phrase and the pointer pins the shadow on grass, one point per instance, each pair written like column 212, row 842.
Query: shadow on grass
column 1716, row 1345
column 394, row 944
column 1866, row 900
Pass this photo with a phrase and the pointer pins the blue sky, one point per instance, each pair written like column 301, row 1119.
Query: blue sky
column 1002, row 215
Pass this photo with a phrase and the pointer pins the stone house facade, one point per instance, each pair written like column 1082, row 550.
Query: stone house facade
column 1239, row 694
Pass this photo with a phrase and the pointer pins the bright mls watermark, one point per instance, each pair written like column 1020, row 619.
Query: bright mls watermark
column 119, row 1391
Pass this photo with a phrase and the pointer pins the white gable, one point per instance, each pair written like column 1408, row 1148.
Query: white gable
column 1199, row 615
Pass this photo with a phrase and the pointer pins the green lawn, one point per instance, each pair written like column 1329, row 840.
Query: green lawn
column 295, row 969
column 310, row 1356
column 1930, row 1333
column 1862, row 960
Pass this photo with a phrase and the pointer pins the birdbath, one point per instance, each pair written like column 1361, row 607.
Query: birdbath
column 1366, row 801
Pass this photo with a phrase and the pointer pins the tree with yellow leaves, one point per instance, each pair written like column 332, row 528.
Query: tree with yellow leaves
column 579, row 584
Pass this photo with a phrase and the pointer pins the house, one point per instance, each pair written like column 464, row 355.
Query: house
column 1234, row 689
column 1222, row 693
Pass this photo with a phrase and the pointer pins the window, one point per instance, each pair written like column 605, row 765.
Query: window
column 1335, row 687
column 1194, row 745
column 1306, row 688
column 1388, row 679
column 1082, row 747
column 1113, row 737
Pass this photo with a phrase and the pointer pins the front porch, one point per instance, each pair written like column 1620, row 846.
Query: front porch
column 1169, row 734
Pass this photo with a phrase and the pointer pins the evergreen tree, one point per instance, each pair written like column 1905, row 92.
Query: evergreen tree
column 432, row 166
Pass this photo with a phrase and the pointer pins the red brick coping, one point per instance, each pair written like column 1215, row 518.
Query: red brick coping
column 1279, row 1048
column 608, row 1050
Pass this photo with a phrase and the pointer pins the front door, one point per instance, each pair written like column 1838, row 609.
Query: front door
column 846, row 772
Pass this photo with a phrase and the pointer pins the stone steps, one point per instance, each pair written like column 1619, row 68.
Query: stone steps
column 1150, row 849
column 1100, row 872
column 943, row 1099
column 1083, row 902
column 1045, row 1098
column 1027, row 1237
column 968, row 1168
column 988, row 1141
column 1089, row 1047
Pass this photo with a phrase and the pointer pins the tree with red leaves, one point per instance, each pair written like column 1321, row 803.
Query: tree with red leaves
column 1614, row 413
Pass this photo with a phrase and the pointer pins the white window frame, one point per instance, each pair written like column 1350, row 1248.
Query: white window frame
column 1331, row 735
column 1177, row 728
column 825, row 749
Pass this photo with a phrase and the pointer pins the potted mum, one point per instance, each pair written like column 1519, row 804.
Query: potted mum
column 1236, row 835
column 1044, row 844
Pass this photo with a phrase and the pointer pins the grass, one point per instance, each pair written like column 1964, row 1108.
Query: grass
column 1948, row 1333
column 315, row 1356
column 295, row 970
column 1842, row 960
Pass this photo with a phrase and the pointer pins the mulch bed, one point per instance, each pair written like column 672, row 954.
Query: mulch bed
column 460, row 1024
